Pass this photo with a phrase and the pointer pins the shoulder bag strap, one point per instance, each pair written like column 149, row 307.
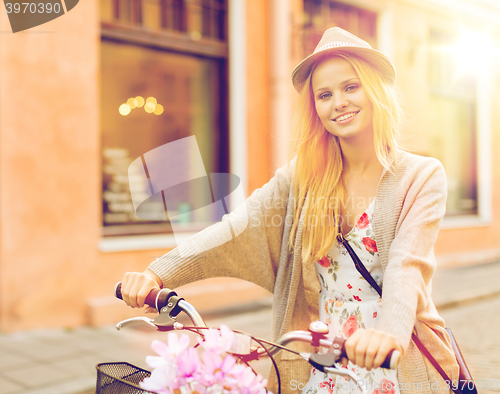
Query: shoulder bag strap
column 433, row 361
column 366, row 274
column 359, row 265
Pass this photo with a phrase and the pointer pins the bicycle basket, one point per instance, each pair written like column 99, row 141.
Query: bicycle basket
column 120, row 378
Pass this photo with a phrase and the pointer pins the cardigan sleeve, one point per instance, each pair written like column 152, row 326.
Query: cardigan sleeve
column 421, row 205
column 245, row 244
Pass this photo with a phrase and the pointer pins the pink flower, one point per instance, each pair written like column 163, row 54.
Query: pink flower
column 363, row 222
column 324, row 262
column 221, row 371
column 188, row 363
column 349, row 286
column 250, row 383
column 179, row 369
column 350, row 326
column 177, row 345
column 356, row 298
column 374, row 315
column 370, row 244
column 218, row 341
column 168, row 352
column 160, row 380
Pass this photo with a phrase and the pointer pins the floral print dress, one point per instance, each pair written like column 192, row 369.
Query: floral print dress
column 346, row 302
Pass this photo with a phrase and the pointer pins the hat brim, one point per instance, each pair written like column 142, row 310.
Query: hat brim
column 377, row 59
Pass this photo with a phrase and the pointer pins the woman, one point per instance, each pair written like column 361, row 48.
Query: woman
column 348, row 177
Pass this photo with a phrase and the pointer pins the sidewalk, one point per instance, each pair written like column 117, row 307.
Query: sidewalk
column 63, row 361
column 459, row 286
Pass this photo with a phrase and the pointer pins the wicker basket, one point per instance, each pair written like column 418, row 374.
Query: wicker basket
column 120, row 378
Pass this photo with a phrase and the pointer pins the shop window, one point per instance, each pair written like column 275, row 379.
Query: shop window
column 451, row 134
column 320, row 15
column 163, row 78
column 202, row 18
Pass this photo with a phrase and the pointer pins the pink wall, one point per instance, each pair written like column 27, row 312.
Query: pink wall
column 50, row 169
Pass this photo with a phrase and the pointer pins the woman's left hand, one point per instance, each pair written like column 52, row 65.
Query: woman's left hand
column 369, row 348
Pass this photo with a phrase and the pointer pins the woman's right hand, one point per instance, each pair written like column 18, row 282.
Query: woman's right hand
column 137, row 285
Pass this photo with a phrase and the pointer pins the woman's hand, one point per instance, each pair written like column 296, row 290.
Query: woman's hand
column 369, row 348
column 137, row 285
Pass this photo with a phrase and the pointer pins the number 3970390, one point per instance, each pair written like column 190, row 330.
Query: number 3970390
column 33, row 8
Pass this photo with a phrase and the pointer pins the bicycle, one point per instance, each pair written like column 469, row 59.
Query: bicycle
column 123, row 377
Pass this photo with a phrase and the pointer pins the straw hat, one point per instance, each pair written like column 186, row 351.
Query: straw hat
column 336, row 39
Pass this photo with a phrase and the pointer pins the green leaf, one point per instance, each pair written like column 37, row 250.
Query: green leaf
column 323, row 281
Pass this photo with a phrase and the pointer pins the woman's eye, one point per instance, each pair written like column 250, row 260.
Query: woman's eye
column 324, row 96
column 351, row 87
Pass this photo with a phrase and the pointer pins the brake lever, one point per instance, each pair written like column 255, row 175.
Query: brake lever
column 165, row 321
column 136, row 320
column 167, row 317
column 349, row 374
column 327, row 363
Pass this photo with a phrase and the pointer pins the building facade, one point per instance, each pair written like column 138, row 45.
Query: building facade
column 89, row 93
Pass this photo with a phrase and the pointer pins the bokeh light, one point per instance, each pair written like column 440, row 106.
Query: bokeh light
column 132, row 103
column 151, row 100
column 158, row 109
column 124, row 109
column 139, row 101
column 149, row 107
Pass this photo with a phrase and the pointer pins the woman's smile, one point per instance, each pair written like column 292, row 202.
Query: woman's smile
column 345, row 118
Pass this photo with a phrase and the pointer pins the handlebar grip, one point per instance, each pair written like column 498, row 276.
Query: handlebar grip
column 390, row 362
column 157, row 298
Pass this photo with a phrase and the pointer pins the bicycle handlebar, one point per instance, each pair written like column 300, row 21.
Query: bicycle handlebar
column 336, row 344
column 159, row 299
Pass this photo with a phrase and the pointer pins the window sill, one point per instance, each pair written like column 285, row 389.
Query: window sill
column 168, row 241
column 466, row 221
column 141, row 242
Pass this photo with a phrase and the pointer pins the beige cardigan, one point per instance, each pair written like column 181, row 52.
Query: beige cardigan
column 410, row 205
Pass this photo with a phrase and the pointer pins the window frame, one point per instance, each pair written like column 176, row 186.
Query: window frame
column 484, row 216
column 236, row 48
column 182, row 43
column 483, row 141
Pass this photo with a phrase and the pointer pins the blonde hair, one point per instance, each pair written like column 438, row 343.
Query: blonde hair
column 318, row 183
